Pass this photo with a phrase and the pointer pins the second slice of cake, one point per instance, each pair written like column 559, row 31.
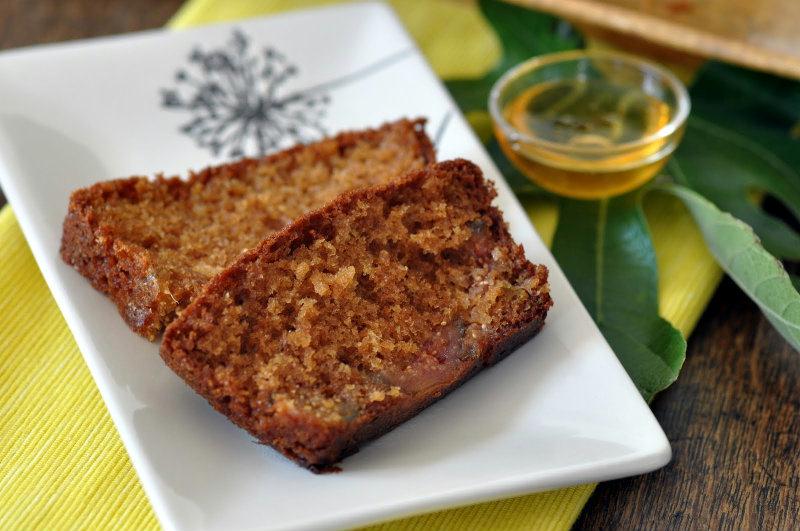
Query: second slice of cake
column 357, row 316
column 152, row 245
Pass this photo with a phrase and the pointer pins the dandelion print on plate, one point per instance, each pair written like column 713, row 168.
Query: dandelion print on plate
column 238, row 101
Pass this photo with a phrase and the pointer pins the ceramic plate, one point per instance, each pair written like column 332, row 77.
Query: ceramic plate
column 559, row 411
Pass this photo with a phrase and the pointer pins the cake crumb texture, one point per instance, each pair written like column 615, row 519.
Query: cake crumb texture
column 152, row 244
column 356, row 316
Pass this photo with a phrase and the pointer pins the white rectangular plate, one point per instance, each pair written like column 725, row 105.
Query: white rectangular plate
column 559, row 411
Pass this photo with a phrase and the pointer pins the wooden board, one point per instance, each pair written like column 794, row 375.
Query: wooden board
column 759, row 34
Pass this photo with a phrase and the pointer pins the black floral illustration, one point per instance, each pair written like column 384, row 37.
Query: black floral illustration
column 240, row 102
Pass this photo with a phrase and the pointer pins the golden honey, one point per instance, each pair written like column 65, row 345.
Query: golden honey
column 587, row 139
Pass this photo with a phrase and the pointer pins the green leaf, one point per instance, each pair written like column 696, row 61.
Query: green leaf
column 795, row 281
column 605, row 249
column 739, row 98
column 523, row 33
column 731, row 170
column 738, row 147
column 739, row 252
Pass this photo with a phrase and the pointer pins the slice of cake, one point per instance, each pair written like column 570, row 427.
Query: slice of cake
column 151, row 245
column 357, row 316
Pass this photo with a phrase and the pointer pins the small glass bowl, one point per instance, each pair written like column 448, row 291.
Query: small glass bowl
column 590, row 170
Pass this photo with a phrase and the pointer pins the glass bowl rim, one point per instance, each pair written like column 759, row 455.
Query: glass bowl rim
column 683, row 104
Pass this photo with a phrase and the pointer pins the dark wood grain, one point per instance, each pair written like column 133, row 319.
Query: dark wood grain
column 733, row 419
column 733, row 416
column 27, row 22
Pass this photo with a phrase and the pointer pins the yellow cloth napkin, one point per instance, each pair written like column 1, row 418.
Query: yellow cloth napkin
column 62, row 464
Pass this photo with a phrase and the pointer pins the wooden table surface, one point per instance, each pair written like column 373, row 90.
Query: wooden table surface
column 733, row 417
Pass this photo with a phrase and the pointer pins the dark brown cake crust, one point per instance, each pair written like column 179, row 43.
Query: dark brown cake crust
column 304, row 434
column 128, row 264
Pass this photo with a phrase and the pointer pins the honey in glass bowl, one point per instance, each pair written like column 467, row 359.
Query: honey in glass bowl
column 588, row 125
